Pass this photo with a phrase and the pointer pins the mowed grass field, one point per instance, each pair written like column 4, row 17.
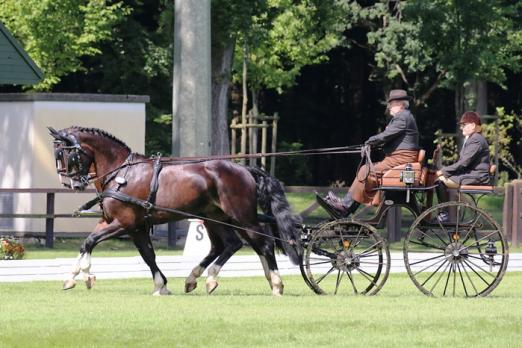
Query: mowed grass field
column 242, row 313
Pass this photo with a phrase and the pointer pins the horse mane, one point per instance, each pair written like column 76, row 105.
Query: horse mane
column 101, row 132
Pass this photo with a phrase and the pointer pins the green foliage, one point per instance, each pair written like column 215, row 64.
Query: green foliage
column 158, row 137
column 509, row 126
column 426, row 44
column 288, row 36
column 448, row 145
column 292, row 169
column 58, row 33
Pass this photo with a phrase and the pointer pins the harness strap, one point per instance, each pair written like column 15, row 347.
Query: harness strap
column 154, row 183
column 148, row 206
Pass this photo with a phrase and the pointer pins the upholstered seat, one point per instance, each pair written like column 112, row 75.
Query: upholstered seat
column 392, row 177
column 485, row 188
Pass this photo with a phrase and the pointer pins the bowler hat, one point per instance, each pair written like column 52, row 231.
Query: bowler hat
column 398, row 94
column 470, row 117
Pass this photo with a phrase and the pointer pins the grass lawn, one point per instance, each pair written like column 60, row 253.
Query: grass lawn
column 242, row 313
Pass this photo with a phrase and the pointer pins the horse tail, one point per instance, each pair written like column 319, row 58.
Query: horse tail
column 272, row 200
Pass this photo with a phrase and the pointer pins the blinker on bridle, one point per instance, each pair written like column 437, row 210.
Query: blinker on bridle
column 68, row 158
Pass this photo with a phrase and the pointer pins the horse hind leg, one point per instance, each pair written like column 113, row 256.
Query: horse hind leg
column 216, row 248
column 264, row 247
column 232, row 243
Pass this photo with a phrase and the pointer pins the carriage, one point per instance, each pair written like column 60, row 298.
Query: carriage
column 465, row 254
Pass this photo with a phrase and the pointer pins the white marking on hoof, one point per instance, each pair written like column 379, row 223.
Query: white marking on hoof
column 163, row 291
column 211, row 285
column 90, row 280
column 69, row 284
column 277, row 283
column 278, row 290
column 189, row 287
column 211, row 282
column 85, row 262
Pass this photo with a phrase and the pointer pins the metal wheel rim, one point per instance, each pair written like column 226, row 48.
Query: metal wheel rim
column 459, row 266
column 370, row 267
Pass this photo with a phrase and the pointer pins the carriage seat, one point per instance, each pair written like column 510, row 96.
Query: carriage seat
column 392, row 177
column 481, row 188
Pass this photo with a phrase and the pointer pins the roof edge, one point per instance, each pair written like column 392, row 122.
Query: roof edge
column 74, row 97
column 21, row 51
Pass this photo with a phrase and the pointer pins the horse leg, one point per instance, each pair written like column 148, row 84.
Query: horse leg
column 216, row 248
column 264, row 247
column 231, row 243
column 70, row 282
column 142, row 241
column 102, row 231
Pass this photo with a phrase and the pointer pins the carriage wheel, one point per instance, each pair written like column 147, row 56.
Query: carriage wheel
column 347, row 257
column 464, row 255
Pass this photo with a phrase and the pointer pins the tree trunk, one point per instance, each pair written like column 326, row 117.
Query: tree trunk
column 222, row 56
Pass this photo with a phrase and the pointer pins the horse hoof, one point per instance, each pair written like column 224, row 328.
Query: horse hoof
column 278, row 290
column 211, row 286
column 90, row 280
column 162, row 292
column 189, row 287
column 69, row 284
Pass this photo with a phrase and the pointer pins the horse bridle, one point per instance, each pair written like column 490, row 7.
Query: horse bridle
column 69, row 163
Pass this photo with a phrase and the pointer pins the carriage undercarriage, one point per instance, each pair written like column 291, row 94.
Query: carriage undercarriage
column 465, row 255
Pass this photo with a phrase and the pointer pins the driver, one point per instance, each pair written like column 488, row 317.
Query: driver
column 400, row 142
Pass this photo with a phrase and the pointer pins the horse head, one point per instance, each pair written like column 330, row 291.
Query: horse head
column 80, row 152
column 72, row 161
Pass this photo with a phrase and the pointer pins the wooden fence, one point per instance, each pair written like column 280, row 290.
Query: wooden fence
column 512, row 212
column 49, row 214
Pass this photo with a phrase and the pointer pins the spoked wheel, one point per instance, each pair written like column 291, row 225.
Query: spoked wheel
column 346, row 257
column 455, row 249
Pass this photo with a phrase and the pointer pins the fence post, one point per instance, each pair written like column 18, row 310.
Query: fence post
column 49, row 221
column 274, row 143
column 517, row 210
column 393, row 223
column 507, row 214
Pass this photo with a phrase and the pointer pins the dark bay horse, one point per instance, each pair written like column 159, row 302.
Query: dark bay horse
column 224, row 194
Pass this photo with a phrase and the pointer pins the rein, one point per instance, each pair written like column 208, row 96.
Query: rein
column 198, row 159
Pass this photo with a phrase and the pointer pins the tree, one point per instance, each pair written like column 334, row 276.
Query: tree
column 287, row 37
column 229, row 18
column 425, row 45
column 58, row 33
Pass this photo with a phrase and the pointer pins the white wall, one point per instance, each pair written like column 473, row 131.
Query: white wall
column 27, row 159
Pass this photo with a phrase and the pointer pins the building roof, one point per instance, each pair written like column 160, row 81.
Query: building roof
column 16, row 67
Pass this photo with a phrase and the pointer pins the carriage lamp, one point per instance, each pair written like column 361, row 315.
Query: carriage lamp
column 346, row 243
column 408, row 175
column 491, row 249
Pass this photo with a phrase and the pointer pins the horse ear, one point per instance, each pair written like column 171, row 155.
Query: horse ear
column 54, row 133
column 57, row 135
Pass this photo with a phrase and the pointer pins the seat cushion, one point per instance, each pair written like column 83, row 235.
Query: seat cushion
column 477, row 188
column 392, row 177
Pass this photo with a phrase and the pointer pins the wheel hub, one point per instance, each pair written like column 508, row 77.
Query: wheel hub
column 346, row 261
column 455, row 252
